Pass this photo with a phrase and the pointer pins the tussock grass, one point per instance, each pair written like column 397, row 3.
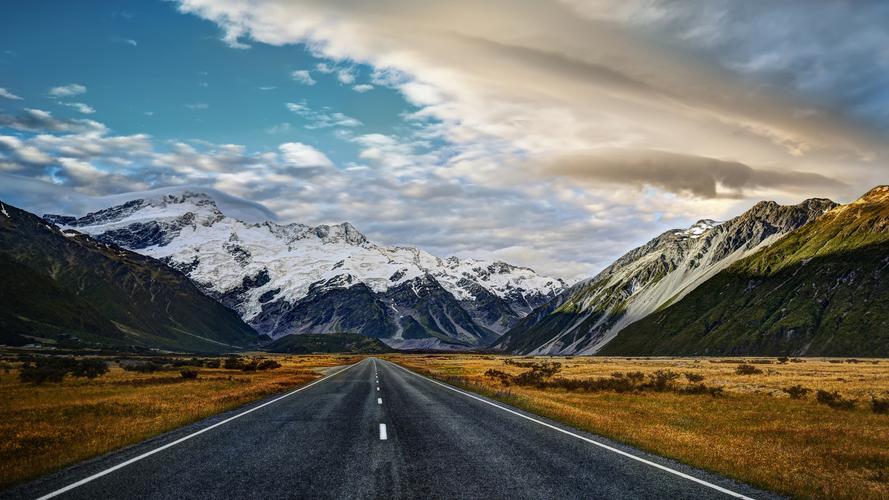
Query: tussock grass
column 768, row 429
column 51, row 425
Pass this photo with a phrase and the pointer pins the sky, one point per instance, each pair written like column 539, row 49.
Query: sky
column 555, row 134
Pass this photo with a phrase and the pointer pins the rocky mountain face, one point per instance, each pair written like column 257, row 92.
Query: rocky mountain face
column 587, row 316
column 822, row 290
column 294, row 278
column 65, row 288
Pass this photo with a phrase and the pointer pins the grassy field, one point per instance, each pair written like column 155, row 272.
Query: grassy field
column 47, row 426
column 751, row 429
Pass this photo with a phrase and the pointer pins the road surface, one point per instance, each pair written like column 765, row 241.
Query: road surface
column 376, row 430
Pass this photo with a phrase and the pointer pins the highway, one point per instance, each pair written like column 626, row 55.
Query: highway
column 377, row 430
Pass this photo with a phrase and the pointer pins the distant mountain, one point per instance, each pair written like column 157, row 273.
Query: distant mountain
column 293, row 278
column 328, row 342
column 67, row 288
column 822, row 290
column 587, row 316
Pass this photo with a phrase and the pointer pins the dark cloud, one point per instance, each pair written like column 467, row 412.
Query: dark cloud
column 36, row 120
column 682, row 174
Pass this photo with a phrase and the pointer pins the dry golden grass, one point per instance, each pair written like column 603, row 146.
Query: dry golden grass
column 754, row 432
column 45, row 427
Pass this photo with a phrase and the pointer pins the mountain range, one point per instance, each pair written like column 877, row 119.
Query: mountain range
column 296, row 279
column 64, row 288
column 590, row 314
column 822, row 290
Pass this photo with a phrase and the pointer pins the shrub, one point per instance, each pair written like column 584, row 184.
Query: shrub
column 745, row 369
column 212, row 363
column 783, row 359
column 694, row 377
column 139, row 366
column 188, row 374
column 879, row 405
column 41, row 372
column 89, row 368
column 503, row 377
column 268, row 364
column 715, row 391
column 233, row 363
column 661, row 380
column 797, row 391
column 835, row 400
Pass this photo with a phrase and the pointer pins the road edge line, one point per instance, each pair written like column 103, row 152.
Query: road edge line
column 582, row 438
column 185, row 438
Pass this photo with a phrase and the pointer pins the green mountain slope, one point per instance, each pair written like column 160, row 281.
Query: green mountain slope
column 822, row 290
column 66, row 287
column 328, row 342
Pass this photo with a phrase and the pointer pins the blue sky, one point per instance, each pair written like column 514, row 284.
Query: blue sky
column 556, row 134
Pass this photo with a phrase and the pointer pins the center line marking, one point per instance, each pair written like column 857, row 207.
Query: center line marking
column 383, row 436
column 379, row 401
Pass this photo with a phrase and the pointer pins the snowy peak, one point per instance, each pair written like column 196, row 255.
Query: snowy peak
column 271, row 273
column 698, row 228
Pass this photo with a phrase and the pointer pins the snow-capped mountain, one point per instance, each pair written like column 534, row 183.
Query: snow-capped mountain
column 294, row 278
column 588, row 315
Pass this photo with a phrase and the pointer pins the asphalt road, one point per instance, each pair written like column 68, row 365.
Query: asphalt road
column 326, row 441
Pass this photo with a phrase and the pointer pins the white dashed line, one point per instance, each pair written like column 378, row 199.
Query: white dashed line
column 383, row 436
column 379, row 401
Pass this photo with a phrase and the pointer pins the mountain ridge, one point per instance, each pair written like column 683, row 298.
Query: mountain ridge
column 588, row 315
column 270, row 273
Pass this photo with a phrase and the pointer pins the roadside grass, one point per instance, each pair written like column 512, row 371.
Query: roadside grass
column 48, row 426
column 752, row 431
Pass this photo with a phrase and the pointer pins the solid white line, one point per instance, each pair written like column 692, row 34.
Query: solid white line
column 383, row 435
column 174, row 443
column 588, row 440
column 379, row 401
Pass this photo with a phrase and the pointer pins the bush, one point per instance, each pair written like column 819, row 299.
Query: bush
column 694, row 377
column 42, row 372
column 835, row 400
column 188, row 374
column 661, row 380
column 212, row 363
column 745, row 369
column 89, row 368
column 503, row 377
column 139, row 366
column 797, row 391
column 233, row 363
column 54, row 369
column 715, row 391
column 783, row 359
column 879, row 405
column 268, row 364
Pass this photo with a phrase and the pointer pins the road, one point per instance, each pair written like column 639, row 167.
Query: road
column 376, row 430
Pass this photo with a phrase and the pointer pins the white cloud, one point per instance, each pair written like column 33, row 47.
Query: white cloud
column 80, row 107
column 322, row 119
column 67, row 90
column 303, row 155
column 345, row 76
column 362, row 88
column 9, row 95
column 267, row 87
column 197, row 106
column 303, row 76
column 325, row 68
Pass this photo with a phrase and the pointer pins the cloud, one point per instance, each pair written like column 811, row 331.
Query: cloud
column 680, row 174
column 322, row 119
column 80, row 107
column 345, row 76
column 298, row 154
column 303, row 76
column 70, row 90
column 9, row 95
column 33, row 120
column 362, row 88
column 197, row 106
column 268, row 87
